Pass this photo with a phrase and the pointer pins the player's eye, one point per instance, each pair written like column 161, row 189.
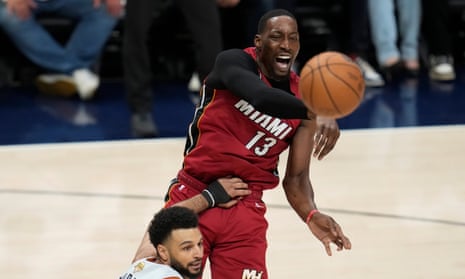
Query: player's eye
column 294, row 38
column 186, row 248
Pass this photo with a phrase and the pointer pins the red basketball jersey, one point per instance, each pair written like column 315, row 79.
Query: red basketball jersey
column 229, row 137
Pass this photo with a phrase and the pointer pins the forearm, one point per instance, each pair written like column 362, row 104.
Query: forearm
column 296, row 183
column 269, row 100
column 197, row 203
column 300, row 195
column 145, row 249
column 216, row 195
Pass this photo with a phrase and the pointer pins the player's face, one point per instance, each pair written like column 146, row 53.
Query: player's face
column 277, row 47
column 186, row 252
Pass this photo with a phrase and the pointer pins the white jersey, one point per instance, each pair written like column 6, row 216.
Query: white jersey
column 145, row 269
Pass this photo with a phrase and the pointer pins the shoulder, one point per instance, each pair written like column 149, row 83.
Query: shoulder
column 234, row 52
column 144, row 269
column 236, row 56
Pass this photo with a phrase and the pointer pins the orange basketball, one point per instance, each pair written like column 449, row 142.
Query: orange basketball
column 331, row 84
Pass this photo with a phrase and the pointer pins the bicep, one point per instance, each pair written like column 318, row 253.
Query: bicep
column 237, row 71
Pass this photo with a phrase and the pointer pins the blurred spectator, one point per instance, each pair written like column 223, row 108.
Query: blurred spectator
column 203, row 21
column 69, row 64
column 360, row 41
column 352, row 32
column 436, row 32
column 384, row 31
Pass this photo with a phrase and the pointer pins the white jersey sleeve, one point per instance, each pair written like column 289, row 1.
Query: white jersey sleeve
column 144, row 269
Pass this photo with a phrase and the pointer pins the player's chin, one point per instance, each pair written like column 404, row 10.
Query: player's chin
column 281, row 74
column 195, row 273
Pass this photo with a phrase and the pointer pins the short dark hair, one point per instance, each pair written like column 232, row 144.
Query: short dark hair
column 169, row 219
column 270, row 14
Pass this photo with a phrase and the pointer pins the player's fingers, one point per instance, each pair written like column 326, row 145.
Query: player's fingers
column 320, row 132
column 241, row 186
column 319, row 144
column 325, row 150
column 329, row 145
column 335, row 229
column 242, row 192
column 346, row 243
column 344, row 240
column 235, row 179
column 327, row 243
column 333, row 139
column 339, row 244
column 238, row 183
column 317, row 150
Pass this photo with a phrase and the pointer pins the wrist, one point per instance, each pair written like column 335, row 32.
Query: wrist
column 311, row 115
column 208, row 196
column 215, row 194
column 310, row 215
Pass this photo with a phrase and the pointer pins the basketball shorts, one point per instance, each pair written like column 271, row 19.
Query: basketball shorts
column 234, row 239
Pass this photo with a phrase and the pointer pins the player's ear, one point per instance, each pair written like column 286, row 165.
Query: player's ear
column 258, row 41
column 163, row 253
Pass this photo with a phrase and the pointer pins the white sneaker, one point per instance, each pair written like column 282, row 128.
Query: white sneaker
column 441, row 68
column 371, row 76
column 86, row 83
column 194, row 83
column 194, row 88
column 56, row 84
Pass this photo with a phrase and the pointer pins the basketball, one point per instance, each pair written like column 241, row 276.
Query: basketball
column 331, row 84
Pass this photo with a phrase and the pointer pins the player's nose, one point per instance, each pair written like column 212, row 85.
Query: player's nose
column 198, row 251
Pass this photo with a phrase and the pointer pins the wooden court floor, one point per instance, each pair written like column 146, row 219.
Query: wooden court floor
column 79, row 210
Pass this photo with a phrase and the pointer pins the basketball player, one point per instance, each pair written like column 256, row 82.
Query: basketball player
column 177, row 239
column 249, row 114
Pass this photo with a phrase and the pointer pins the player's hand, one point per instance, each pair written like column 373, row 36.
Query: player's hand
column 311, row 115
column 326, row 136
column 21, row 8
column 236, row 189
column 328, row 231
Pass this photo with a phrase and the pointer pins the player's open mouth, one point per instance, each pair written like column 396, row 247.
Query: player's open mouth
column 196, row 264
column 283, row 62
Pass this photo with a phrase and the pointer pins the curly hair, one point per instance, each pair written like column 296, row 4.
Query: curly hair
column 169, row 219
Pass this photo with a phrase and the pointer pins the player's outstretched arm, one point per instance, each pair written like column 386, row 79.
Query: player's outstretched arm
column 299, row 190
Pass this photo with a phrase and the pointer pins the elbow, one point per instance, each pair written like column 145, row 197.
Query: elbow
column 294, row 181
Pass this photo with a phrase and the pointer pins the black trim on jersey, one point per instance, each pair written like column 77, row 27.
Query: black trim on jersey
column 237, row 71
column 206, row 96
